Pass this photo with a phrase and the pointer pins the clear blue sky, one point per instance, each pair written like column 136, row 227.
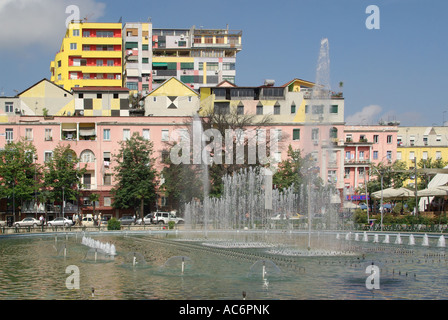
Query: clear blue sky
column 395, row 73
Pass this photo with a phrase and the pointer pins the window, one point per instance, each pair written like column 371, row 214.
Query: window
column 277, row 109
column 9, row 135
column 389, row 155
column 86, row 34
column 116, row 96
column 107, row 201
column 132, row 85
column 398, row 155
column 126, row 134
column 411, row 155
column 347, row 155
column 99, row 62
column 389, row 139
column 293, row 108
column 439, row 137
column 28, row 134
column 333, row 133
column 73, row 46
column 110, row 63
column 145, row 60
column 9, row 107
column 375, row 138
column 107, row 179
column 438, row 155
column 425, row 140
column 240, row 109
column 347, row 173
column 375, row 155
column 212, row 66
column 295, row 134
column 361, row 155
column 99, row 96
column 87, row 156
column 259, row 109
column 228, row 66
column 76, row 32
column 106, row 134
column 315, row 134
column 332, row 176
column 165, row 135
column 48, row 155
column 105, row 34
column 145, row 134
column 334, row 108
column 278, row 134
column 425, row 155
column 48, row 134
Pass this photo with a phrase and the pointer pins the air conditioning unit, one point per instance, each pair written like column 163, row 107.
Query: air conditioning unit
column 154, row 72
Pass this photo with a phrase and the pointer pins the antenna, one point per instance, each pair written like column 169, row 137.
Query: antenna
column 87, row 17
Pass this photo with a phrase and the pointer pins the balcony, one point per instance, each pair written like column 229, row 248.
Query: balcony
column 357, row 162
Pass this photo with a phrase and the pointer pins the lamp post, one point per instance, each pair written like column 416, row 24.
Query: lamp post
column 63, row 200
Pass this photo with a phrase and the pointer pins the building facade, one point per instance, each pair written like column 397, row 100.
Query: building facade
column 90, row 55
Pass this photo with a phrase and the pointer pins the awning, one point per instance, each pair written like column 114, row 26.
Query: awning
column 87, row 132
column 68, row 130
column 160, row 64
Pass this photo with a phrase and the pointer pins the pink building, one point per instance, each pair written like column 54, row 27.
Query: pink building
column 363, row 146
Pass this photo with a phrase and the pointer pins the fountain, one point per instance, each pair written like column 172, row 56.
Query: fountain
column 386, row 239
column 425, row 242
column 398, row 239
column 411, row 240
column 441, row 242
column 177, row 265
column 376, row 238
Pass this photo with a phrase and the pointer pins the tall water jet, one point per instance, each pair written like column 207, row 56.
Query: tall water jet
column 425, row 241
column 376, row 238
column 441, row 242
column 411, row 240
column 398, row 239
column 365, row 238
column 386, row 239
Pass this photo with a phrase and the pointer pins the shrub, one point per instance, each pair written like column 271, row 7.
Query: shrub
column 171, row 224
column 113, row 224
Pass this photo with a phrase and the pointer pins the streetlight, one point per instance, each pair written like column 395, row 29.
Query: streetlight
column 63, row 200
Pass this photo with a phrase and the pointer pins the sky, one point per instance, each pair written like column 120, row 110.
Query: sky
column 396, row 71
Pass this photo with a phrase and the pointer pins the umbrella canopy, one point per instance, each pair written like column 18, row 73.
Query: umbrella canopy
column 391, row 193
column 350, row 205
column 434, row 191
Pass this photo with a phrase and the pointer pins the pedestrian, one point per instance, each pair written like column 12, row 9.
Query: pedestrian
column 41, row 219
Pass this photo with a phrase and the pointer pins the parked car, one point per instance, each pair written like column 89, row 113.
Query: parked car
column 28, row 222
column 284, row 217
column 165, row 217
column 126, row 220
column 87, row 221
column 60, row 221
column 147, row 219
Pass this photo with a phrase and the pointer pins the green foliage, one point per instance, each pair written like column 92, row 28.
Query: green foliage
column 135, row 174
column 62, row 176
column 171, row 225
column 360, row 216
column 182, row 182
column 113, row 224
column 19, row 172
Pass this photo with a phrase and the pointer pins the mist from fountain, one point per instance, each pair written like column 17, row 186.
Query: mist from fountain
column 411, row 240
column 441, row 242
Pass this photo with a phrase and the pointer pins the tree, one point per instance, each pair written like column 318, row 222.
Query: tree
column 135, row 174
column 230, row 120
column 181, row 182
column 18, row 172
column 62, row 176
column 291, row 170
column 93, row 198
column 426, row 164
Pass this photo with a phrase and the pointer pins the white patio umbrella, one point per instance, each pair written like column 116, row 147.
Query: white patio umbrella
column 392, row 193
column 434, row 191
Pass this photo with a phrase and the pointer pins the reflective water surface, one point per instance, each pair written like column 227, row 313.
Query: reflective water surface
column 185, row 265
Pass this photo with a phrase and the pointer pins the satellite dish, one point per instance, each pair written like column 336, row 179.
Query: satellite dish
column 69, row 113
column 81, row 112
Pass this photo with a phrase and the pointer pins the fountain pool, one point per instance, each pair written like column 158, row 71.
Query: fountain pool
column 186, row 265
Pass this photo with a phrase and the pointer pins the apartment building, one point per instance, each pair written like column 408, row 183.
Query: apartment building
column 364, row 146
column 90, row 55
column 315, row 127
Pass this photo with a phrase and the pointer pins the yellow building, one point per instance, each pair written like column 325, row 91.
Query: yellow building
column 421, row 143
column 90, row 56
